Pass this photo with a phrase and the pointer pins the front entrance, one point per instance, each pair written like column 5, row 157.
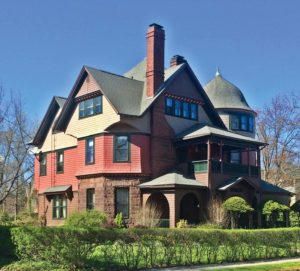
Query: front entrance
column 190, row 209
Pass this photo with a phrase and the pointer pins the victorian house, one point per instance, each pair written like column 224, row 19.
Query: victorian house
column 151, row 136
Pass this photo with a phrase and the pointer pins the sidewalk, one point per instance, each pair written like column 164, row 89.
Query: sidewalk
column 227, row 265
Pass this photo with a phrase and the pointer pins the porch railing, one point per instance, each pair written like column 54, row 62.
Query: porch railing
column 228, row 168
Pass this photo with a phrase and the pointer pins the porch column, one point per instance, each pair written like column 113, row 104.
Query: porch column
column 221, row 157
column 258, row 162
column 248, row 159
column 208, row 163
column 172, row 208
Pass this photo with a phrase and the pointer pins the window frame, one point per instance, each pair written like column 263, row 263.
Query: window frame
column 90, row 205
column 247, row 118
column 86, row 150
column 84, row 105
column 43, row 155
column 239, row 162
column 128, row 201
column 171, row 110
column 57, row 161
column 128, row 149
column 61, row 198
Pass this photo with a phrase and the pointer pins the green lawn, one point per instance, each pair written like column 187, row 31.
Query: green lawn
column 267, row 267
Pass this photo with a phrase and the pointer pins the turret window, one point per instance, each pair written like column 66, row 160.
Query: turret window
column 242, row 122
column 181, row 109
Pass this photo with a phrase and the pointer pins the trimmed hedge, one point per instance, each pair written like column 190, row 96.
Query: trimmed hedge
column 145, row 248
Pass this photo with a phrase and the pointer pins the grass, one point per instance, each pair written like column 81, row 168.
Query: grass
column 266, row 267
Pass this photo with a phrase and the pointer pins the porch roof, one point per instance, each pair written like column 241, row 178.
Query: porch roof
column 57, row 189
column 170, row 180
column 201, row 130
column 274, row 189
column 235, row 181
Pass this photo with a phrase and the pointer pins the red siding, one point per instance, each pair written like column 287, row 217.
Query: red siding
column 74, row 162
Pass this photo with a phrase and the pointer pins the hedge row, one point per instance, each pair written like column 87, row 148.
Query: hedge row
column 141, row 248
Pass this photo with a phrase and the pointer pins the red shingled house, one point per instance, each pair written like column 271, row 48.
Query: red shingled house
column 152, row 135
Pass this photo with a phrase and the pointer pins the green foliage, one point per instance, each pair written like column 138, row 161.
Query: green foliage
column 210, row 226
column 7, row 248
column 27, row 219
column 119, row 221
column 274, row 213
column 182, row 223
column 126, row 249
column 5, row 219
column 294, row 219
column 237, row 205
column 272, row 206
column 86, row 219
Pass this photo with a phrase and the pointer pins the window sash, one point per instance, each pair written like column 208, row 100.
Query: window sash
column 244, row 123
column 59, row 207
column 181, row 109
column 121, row 149
column 60, row 162
column 186, row 110
column 194, row 112
column 90, row 198
column 90, row 107
column 90, row 151
column 235, row 157
column 43, row 164
column 122, row 201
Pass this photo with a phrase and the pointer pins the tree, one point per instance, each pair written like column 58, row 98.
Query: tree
column 236, row 206
column 278, row 124
column 272, row 210
column 16, row 162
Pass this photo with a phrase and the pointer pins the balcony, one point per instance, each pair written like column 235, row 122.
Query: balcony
column 218, row 167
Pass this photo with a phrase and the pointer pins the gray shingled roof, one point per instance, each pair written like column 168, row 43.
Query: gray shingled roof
column 271, row 188
column 224, row 94
column 57, row 189
column 233, row 182
column 172, row 179
column 200, row 130
column 60, row 100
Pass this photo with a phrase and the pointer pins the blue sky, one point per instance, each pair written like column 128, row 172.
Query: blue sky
column 43, row 44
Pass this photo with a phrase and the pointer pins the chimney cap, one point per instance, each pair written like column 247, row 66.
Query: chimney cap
column 156, row 26
column 177, row 60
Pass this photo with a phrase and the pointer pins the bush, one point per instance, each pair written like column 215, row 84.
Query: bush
column 182, row 223
column 5, row 219
column 150, row 248
column 274, row 213
column 86, row 219
column 26, row 219
column 236, row 206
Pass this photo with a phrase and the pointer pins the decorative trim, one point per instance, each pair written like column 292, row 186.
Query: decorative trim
column 184, row 99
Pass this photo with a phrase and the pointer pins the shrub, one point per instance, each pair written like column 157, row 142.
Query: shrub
column 274, row 212
column 5, row 219
column 86, row 219
column 149, row 216
column 236, row 206
column 294, row 218
column 182, row 223
column 26, row 219
column 216, row 212
column 119, row 221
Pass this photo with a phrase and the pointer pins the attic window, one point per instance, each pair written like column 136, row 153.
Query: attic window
column 90, row 107
column 181, row 109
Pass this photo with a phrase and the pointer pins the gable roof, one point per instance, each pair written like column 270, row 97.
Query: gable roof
column 55, row 104
column 274, row 189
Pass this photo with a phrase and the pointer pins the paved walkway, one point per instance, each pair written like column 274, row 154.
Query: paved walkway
column 227, row 265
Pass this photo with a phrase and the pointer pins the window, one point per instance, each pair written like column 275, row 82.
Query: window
column 60, row 161
column 185, row 110
column 90, row 198
column 59, row 207
column 122, row 201
column 169, row 106
column 242, row 122
column 181, row 109
column 194, row 112
column 90, row 151
column 235, row 122
column 235, row 157
column 121, row 149
column 90, row 107
column 43, row 164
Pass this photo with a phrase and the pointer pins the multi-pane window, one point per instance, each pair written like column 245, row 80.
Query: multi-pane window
column 182, row 109
column 242, row 122
column 59, row 207
column 122, row 201
column 43, row 164
column 90, row 107
column 121, row 149
column 60, row 161
column 90, row 150
column 235, row 157
column 90, row 198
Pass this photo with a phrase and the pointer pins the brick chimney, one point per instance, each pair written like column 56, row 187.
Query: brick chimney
column 155, row 58
column 177, row 60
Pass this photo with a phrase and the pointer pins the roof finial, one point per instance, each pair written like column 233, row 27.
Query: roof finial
column 218, row 71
